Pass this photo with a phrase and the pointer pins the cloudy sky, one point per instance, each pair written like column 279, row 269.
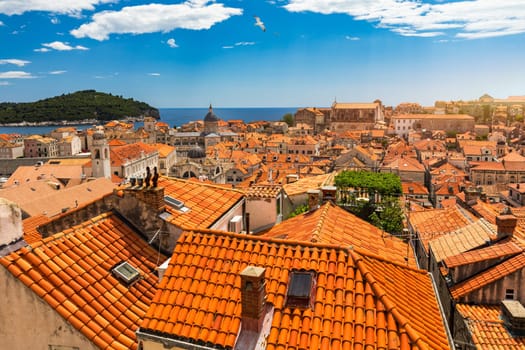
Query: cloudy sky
column 195, row 52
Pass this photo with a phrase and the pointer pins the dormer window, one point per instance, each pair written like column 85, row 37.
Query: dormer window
column 301, row 289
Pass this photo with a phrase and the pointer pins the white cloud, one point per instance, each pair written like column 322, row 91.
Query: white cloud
column 171, row 43
column 4, row 83
column 60, row 46
column 464, row 19
column 57, row 72
column 16, row 62
column 154, row 74
column 227, row 47
column 352, row 38
column 69, row 7
column 245, row 43
column 55, row 20
column 15, row 75
column 193, row 15
column 1, row 23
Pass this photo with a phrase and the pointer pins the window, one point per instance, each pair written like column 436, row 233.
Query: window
column 301, row 289
column 126, row 273
column 509, row 294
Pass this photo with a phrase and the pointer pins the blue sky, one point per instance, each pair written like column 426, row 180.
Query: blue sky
column 196, row 52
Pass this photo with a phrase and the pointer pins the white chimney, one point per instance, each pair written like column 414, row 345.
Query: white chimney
column 10, row 222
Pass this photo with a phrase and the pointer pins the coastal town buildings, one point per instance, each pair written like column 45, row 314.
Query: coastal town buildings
column 241, row 210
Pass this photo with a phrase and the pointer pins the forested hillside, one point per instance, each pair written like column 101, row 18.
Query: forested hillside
column 80, row 105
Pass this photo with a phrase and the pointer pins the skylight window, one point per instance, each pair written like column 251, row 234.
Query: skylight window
column 175, row 203
column 301, row 289
column 126, row 273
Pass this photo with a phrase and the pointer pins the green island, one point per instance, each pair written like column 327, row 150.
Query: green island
column 86, row 105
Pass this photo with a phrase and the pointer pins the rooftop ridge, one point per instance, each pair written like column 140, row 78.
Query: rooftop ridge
column 59, row 235
column 316, row 234
column 389, row 305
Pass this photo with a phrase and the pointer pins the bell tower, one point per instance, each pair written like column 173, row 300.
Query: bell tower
column 100, row 161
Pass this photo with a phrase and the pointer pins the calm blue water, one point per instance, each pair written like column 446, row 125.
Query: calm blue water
column 178, row 116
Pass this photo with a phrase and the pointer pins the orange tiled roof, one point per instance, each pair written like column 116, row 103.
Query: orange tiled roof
column 120, row 155
column 308, row 183
column 463, row 239
column 71, row 271
column 431, row 224
column 263, row 191
column 414, row 187
column 331, row 224
column 360, row 302
column 488, row 276
column 491, row 252
column 206, row 202
column 31, row 234
column 487, row 329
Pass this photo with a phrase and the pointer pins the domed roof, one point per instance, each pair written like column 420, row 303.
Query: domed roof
column 196, row 152
column 211, row 117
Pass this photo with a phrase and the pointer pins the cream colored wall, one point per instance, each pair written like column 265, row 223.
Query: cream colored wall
column 28, row 322
column 263, row 212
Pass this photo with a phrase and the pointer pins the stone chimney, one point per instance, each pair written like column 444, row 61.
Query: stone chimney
column 329, row 193
column 253, row 298
column 471, row 196
column 10, row 222
column 151, row 196
column 314, row 199
column 506, row 224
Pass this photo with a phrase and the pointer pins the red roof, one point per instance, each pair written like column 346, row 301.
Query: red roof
column 71, row 272
column 360, row 301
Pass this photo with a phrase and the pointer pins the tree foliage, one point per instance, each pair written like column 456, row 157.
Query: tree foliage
column 382, row 183
column 382, row 211
column 288, row 119
column 80, row 105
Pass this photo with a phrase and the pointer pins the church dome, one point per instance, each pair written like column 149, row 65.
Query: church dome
column 211, row 117
column 196, row 153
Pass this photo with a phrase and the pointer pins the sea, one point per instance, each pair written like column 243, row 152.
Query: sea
column 175, row 117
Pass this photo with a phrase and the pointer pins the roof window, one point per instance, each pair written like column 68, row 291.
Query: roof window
column 175, row 203
column 126, row 273
column 301, row 289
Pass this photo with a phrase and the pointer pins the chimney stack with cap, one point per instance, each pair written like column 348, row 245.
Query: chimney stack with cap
column 253, row 298
column 506, row 224
column 314, row 199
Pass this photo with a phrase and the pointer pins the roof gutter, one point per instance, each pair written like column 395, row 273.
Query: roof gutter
column 445, row 323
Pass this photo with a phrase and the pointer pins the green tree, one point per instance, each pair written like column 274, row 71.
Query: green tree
column 288, row 119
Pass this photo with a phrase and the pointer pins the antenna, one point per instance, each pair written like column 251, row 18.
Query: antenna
column 154, row 236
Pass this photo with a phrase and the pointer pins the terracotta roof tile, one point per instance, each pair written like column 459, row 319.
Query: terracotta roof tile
column 488, row 276
column 495, row 251
column 357, row 303
column 30, row 225
column 206, row 202
column 331, row 224
column 487, row 329
column 263, row 191
column 430, row 224
column 71, row 271
column 463, row 239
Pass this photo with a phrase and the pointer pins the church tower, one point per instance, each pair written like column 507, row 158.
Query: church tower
column 211, row 122
column 100, row 161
